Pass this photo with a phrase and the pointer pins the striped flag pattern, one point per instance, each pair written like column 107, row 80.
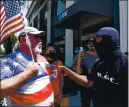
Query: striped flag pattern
column 11, row 20
column 38, row 90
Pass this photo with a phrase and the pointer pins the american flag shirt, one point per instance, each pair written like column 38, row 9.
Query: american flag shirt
column 38, row 90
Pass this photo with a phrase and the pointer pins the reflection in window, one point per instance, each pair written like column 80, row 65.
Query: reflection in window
column 61, row 6
column 43, row 19
column 58, row 6
column 36, row 22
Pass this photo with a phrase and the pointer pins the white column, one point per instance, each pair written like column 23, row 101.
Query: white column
column 49, row 21
column 68, row 47
column 123, row 25
column 68, row 41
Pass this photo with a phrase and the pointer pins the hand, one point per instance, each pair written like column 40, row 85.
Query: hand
column 32, row 67
column 61, row 68
column 80, row 57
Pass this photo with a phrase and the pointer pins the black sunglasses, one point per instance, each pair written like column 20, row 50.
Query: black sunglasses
column 36, row 36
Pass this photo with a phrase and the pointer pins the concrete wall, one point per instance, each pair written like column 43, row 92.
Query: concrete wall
column 69, row 41
column 49, row 21
column 68, row 47
column 123, row 25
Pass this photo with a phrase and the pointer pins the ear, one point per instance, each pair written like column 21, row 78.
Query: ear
column 22, row 41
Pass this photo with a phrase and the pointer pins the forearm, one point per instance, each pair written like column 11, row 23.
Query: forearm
column 78, row 68
column 10, row 85
column 80, row 79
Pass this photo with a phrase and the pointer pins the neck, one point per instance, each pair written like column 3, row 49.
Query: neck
column 27, row 51
column 92, row 53
column 51, row 62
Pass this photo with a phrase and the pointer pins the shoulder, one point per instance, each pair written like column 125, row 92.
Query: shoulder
column 8, row 58
column 125, row 57
column 41, row 58
column 97, row 62
column 59, row 62
column 124, row 60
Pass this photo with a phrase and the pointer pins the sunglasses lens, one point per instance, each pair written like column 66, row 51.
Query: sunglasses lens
column 22, row 34
column 38, row 37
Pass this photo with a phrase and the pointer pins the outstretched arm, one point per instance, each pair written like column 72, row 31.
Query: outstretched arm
column 80, row 79
column 10, row 85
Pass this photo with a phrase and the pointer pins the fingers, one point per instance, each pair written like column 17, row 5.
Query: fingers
column 60, row 67
column 33, row 67
column 80, row 55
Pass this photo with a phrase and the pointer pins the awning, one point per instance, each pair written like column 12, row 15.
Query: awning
column 70, row 18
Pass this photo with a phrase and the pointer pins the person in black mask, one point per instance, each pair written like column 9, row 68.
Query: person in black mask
column 57, row 82
column 109, row 75
column 50, row 53
column 84, row 64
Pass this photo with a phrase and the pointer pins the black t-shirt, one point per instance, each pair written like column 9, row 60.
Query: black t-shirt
column 110, row 83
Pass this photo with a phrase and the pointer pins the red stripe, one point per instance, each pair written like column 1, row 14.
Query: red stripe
column 31, row 99
column 11, row 33
column 12, row 27
column 1, row 5
column 3, row 20
column 2, row 12
column 11, row 21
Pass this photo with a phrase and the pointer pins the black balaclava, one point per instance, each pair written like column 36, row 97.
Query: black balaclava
column 109, row 47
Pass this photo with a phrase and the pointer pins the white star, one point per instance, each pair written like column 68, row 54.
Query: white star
column 4, row 60
column 19, row 56
column 6, row 68
column 15, row 64
column 39, row 73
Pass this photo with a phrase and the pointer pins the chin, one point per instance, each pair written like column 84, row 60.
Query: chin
column 38, row 53
column 37, row 50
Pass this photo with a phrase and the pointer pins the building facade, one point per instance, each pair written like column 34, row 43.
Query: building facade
column 68, row 23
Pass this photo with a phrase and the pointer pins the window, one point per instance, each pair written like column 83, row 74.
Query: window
column 36, row 22
column 43, row 19
column 61, row 6
column 58, row 6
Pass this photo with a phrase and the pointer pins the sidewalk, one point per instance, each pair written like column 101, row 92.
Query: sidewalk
column 75, row 100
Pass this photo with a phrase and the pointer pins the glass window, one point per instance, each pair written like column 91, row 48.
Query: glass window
column 36, row 22
column 58, row 6
column 43, row 19
column 61, row 6
column 43, row 23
